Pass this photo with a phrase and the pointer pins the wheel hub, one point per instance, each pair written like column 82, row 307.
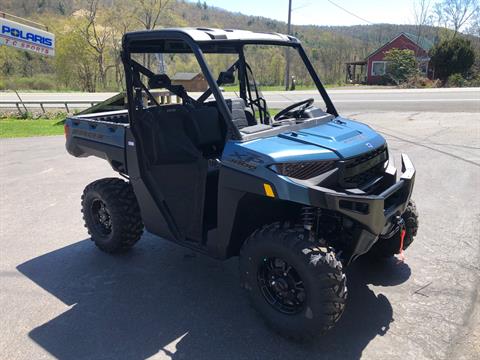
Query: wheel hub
column 281, row 285
column 101, row 217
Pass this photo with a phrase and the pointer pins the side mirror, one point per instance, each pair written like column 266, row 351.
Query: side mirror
column 226, row 77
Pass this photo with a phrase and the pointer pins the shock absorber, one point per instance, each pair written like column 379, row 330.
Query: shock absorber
column 308, row 217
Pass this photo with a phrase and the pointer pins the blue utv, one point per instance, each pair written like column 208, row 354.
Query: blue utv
column 297, row 196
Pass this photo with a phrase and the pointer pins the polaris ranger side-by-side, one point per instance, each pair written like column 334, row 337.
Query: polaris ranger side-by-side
column 297, row 196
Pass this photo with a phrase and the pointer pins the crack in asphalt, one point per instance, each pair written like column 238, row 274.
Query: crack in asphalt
column 471, row 162
column 456, row 346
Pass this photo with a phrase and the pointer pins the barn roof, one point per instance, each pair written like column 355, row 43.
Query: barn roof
column 184, row 76
column 420, row 41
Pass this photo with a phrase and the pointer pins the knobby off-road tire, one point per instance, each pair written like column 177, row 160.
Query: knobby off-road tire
column 111, row 214
column 388, row 247
column 323, row 280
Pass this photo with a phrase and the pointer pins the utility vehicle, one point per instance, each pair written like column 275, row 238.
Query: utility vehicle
column 297, row 196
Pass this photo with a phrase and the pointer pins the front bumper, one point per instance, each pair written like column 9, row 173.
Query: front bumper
column 376, row 213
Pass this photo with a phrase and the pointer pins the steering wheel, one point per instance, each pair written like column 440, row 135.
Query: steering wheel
column 301, row 105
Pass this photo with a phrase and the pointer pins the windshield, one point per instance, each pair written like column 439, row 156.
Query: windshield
column 274, row 84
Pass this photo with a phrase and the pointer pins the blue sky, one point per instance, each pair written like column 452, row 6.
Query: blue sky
column 322, row 12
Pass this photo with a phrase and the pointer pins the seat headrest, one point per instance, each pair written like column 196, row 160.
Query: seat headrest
column 159, row 81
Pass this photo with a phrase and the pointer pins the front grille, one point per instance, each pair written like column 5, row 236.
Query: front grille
column 304, row 170
column 362, row 169
column 365, row 157
column 365, row 176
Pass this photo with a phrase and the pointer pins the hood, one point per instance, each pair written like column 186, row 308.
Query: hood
column 338, row 138
column 346, row 138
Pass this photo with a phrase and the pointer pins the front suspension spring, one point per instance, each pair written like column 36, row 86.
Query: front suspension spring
column 308, row 217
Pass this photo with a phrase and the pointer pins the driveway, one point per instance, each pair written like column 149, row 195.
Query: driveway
column 62, row 298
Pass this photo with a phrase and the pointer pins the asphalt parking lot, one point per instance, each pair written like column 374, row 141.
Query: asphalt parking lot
column 62, row 298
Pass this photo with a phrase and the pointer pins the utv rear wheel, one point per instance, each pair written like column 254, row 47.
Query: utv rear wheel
column 297, row 287
column 387, row 247
column 111, row 214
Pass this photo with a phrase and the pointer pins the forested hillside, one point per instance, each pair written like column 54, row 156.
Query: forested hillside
column 89, row 32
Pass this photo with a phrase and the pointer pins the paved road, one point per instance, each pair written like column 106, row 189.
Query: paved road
column 441, row 100
column 62, row 298
column 351, row 100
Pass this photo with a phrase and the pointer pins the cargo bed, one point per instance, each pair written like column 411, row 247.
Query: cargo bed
column 99, row 134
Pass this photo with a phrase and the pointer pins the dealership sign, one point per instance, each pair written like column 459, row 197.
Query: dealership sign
column 26, row 37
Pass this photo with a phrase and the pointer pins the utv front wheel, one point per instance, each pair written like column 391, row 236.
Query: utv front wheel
column 111, row 214
column 297, row 287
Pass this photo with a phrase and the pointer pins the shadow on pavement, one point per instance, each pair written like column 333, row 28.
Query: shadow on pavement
column 162, row 298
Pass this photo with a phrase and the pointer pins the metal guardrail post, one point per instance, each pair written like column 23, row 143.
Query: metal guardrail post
column 41, row 105
column 66, row 107
column 21, row 102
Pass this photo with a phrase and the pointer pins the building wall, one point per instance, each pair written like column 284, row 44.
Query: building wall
column 197, row 84
column 402, row 42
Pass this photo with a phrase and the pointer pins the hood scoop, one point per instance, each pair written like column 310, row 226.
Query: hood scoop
column 346, row 139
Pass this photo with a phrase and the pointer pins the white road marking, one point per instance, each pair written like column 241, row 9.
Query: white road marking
column 383, row 100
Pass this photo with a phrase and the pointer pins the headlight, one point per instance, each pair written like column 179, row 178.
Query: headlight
column 303, row 170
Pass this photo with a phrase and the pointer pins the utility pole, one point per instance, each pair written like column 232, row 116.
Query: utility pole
column 287, row 50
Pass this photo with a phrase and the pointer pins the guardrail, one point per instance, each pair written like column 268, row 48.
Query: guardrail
column 163, row 97
column 41, row 104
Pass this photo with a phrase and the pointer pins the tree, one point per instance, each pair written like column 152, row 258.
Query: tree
column 76, row 62
column 456, row 13
column 401, row 65
column 149, row 11
column 148, row 14
column 421, row 12
column 452, row 56
column 98, row 37
column 474, row 28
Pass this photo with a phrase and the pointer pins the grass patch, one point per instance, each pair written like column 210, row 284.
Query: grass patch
column 12, row 127
column 274, row 112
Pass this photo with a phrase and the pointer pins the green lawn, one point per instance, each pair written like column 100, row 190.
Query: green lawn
column 11, row 127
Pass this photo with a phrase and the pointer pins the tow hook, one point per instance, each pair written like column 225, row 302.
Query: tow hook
column 401, row 226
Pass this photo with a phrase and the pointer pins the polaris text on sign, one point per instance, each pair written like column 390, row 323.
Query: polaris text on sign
column 26, row 37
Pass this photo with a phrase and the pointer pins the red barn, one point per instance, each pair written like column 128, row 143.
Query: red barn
column 374, row 67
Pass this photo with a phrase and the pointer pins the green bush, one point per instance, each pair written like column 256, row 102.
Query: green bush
column 401, row 65
column 418, row 81
column 451, row 57
column 455, row 80
column 474, row 82
column 39, row 82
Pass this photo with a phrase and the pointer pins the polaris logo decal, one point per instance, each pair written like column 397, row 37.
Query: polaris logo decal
column 246, row 160
column 26, row 37
column 369, row 145
column 6, row 30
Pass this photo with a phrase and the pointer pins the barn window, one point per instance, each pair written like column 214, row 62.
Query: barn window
column 379, row 68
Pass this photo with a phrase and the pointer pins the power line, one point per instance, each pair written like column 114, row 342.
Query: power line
column 349, row 12
column 301, row 6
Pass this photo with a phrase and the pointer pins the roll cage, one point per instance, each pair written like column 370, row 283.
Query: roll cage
column 202, row 41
